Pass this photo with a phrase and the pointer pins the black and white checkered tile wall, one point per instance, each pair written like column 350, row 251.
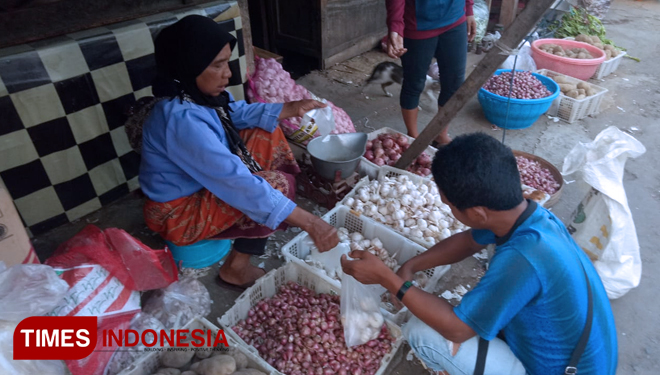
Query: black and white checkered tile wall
column 63, row 149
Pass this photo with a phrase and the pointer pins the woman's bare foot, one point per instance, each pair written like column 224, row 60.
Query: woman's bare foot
column 238, row 270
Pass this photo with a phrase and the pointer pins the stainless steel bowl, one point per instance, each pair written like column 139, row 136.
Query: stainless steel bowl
column 341, row 152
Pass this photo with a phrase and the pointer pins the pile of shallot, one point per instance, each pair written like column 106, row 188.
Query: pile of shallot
column 525, row 86
column 270, row 83
column 534, row 175
column 414, row 210
column 387, row 149
column 299, row 332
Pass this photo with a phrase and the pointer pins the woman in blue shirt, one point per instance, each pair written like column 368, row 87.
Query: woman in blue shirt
column 212, row 167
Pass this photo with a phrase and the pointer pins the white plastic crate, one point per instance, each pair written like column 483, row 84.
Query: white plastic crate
column 268, row 285
column 569, row 109
column 341, row 216
column 609, row 66
column 367, row 168
column 149, row 363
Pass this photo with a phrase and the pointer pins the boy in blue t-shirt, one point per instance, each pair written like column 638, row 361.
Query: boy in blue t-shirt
column 534, row 292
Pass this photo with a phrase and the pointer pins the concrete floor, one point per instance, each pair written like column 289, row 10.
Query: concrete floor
column 632, row 104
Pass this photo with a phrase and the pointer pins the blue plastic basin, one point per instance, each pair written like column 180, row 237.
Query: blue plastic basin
column 522, row 112
column 200, row 254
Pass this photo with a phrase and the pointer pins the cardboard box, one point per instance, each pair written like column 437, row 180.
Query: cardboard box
column 15, row 245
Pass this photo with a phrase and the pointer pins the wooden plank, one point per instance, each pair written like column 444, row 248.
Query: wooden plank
column 508, row 12
column 247, row 35
column 511, row 37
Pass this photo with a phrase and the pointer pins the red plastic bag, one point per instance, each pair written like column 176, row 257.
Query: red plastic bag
column 134, row 264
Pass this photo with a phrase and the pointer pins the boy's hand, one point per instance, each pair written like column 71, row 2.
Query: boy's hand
column 366, row 268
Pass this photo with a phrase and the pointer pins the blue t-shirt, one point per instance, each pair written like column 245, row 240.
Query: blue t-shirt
column 536, row 293
column 185, row 149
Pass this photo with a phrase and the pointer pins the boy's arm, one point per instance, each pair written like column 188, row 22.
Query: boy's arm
column 448, row 251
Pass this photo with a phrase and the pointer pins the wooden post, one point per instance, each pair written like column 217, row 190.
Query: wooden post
column 508, row 12
column 247, row 35
column 512, row 36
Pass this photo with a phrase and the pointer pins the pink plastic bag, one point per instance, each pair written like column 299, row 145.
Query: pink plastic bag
column 270, row 83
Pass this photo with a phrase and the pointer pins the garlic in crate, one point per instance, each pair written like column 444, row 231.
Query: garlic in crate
column 416, row 210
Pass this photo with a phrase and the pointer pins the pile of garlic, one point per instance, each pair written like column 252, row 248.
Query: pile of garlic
column 356, row 241
column 415, row 210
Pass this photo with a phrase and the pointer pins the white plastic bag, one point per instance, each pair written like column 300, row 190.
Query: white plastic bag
column 525, row 60
column 320, row 120
column 481, row 16
column 603, row 225
column 27, row 290
column 360, row 312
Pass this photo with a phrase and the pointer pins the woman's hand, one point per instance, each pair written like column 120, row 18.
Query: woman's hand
column 366, row 268
column 299, row 108
column 395, row 45
column 471, row 28
column 323, row 234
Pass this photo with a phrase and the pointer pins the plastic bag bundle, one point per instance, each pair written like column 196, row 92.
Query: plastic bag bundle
column 360, row 311
column 481, row 16
column 179, row 303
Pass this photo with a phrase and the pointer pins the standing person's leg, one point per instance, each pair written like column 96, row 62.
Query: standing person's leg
column 451, row 53
column 415, row 64
column 440, row 354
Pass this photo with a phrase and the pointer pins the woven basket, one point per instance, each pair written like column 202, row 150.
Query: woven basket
column 554, row 198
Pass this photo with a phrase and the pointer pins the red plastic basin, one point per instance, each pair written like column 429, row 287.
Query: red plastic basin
column 579, row 68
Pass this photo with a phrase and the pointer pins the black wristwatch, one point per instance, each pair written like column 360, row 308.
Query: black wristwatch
column 403, row 290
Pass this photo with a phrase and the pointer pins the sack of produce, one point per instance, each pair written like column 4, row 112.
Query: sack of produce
column 360, row 312
column 270, row 83
column 525, row 60
column 602, row 224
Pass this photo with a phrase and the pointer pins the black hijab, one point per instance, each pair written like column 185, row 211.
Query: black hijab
column 183, row 51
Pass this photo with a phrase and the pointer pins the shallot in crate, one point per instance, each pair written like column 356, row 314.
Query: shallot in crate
column 291, row 316
column 385, row 146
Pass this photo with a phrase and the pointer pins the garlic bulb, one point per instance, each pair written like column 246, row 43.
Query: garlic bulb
column 349, row 202
column 377, row 243
column 383, row 210
column 356, row 237
column 398, row 215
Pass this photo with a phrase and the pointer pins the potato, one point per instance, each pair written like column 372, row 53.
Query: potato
column 591, row 92
column 189, row 373
column 560, row 79
column 595, row 39
column 218, row 365
column 583, row 38
column 176, row 359
column 566, row 87
column 583, row 85
column 580, row 97
column 240, row 359
column 615, row 52
column 582, row 55
column 572, row 94
column 599, row 46
column 203, row 352
column 608, row 54
column 557, row 48
column 167, row 371
column 582, row 92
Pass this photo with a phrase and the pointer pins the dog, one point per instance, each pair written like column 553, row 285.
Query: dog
column 388, row 73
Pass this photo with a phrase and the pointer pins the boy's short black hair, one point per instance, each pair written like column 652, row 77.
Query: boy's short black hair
column 478, row 170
